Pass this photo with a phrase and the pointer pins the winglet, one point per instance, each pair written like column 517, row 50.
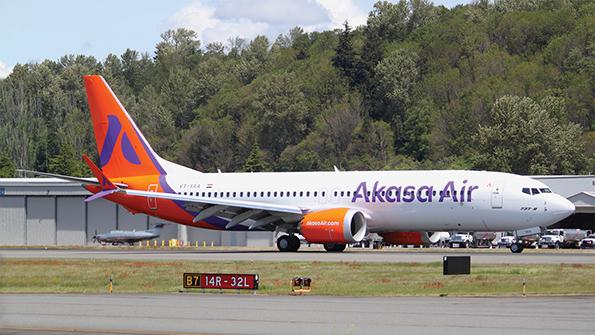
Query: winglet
column 104, row 182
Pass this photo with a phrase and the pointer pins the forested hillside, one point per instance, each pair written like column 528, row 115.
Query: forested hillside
column 505, row 86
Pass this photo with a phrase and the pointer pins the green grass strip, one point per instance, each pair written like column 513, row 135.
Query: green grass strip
column 328, row 278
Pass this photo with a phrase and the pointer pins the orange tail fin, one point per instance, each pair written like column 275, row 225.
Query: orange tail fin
column 123, row 150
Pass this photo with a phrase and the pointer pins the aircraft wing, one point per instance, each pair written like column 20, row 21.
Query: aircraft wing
column 252, row 213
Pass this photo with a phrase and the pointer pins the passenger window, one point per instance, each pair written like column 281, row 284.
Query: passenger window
column 185, row 193
column 534, row 191
column 323, row 193
column 301, row 193
column 315, row 193
column 294, row 193
column 348, row 193
column 342, row 193
column 526, row 190
column 281, row 194
column 308, row 193
column 241, row 194
column 234, row 194
column 434, row 192
column 203, row 194
column 261, row 194
column 269, row 194
column 335, row 193
column 275, row 194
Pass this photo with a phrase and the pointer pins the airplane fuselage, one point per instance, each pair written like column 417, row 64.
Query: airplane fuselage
column 438, row 200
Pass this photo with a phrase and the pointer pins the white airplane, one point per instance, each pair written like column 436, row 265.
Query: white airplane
column 332, row 208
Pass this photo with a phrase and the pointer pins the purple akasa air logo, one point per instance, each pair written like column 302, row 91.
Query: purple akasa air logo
column 424, row 193
column 114, row 128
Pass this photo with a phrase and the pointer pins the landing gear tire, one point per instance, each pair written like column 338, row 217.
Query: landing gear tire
column 516, row 248
column 288, row 243
column 334, row 247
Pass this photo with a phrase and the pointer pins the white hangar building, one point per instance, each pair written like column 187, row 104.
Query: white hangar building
column 48, row 211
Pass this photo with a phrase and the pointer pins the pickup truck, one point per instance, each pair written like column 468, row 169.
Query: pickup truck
column 461, row 241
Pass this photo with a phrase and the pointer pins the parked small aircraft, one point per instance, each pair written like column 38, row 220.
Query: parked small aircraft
column 116, row 237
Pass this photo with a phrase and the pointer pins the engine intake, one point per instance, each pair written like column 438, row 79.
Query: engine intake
column 335, row 225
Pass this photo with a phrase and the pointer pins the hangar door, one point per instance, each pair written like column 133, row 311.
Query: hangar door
column 71, row 220
column 12, row 220
column 41, row 221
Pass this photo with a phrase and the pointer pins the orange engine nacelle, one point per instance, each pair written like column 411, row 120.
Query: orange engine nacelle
column 336, row 225
column 406, row 238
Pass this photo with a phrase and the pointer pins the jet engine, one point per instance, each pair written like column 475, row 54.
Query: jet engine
column 335, row 225
column 411, row 237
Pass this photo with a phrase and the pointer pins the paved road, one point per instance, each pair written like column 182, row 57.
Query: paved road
column 248, row 314
column 352, row 255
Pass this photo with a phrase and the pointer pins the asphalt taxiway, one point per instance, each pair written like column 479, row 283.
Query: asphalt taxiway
column 313, row 254
column 249, row 314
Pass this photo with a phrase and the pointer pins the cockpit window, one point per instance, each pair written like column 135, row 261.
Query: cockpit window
column 526, row 190
column 545, row 190
column 534, row 191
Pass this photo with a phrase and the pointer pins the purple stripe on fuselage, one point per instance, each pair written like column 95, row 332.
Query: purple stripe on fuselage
column 113, row 131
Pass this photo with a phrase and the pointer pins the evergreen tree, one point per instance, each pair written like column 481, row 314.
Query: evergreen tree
column 7, row 167
column 345, row 58
column 66, row 163
column 256, row 161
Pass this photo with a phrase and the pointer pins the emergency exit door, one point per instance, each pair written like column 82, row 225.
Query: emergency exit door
column 152, row 202
column 497, row 198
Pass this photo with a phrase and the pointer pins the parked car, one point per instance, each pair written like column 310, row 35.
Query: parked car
column 588, row 242
column 506, row 241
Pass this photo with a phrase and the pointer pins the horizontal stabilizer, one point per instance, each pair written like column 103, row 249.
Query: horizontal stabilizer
column 101, row 194
column 104, row 182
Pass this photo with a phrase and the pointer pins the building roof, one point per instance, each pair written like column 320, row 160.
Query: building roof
column 41, row 187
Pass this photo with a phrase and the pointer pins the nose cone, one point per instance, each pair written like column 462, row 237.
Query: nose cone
column 562, row 208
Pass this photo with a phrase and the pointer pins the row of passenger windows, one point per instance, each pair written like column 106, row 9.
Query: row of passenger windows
column 282, row 194
column 533, row 191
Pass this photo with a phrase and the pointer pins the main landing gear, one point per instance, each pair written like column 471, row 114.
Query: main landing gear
column 288, row 243
column 517, row 247
column 334, row 247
